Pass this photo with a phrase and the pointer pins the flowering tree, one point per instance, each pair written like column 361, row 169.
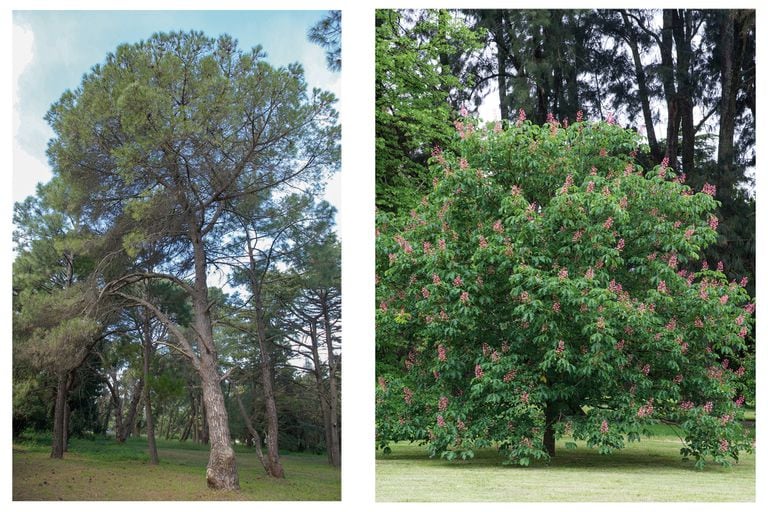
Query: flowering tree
column 547, row 286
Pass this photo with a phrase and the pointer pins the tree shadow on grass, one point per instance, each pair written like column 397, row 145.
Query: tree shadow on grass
column 636, row 457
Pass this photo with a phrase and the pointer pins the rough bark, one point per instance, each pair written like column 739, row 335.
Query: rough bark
column 221, row 472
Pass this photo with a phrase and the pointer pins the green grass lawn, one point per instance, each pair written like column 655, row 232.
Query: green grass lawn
column 651, row 470
column 103, row 470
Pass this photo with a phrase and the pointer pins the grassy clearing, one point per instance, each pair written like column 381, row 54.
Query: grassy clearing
column 103, row 470
column 651, row 470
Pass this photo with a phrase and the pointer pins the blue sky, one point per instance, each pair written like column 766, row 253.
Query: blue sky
column 53, row 49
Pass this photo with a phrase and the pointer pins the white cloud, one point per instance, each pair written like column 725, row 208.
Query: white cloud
column 28, row 168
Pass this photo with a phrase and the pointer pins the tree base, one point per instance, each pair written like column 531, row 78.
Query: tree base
column 221, row 473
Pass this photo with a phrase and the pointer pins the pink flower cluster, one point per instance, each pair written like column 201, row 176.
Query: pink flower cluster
column 404, row 244
column 563, row 274
column 620, row 245
column 686, row 405
column 442, row 404
column 604, row 427
column 520, row 117
column 424, row 292
column 708, row 189
column 509, row 376
column 646, row 409
column 608, row 223
column 560, row 347
column 556, row 307
column 708, row 407
column 440, row 420
column 723, row 445
column 483, row 243
column 407, row 395
column 525, row 398
column 464, row 297
column 662, row 287
column 478, row 371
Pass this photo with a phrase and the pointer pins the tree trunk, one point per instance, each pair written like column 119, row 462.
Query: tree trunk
column 117, row 404
column 67, row 416
column 57, row 449
column 667, row 72
column 728, row 77
column 642, row 88
column 253, row 432
column 270, row 409
column 221, row 472
column 320, row 386
column 501, row 61
column 333, row 391
column 273, row 455
column 682, row 33
column 550, row 417
column 128, row 424
column 147, row 343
